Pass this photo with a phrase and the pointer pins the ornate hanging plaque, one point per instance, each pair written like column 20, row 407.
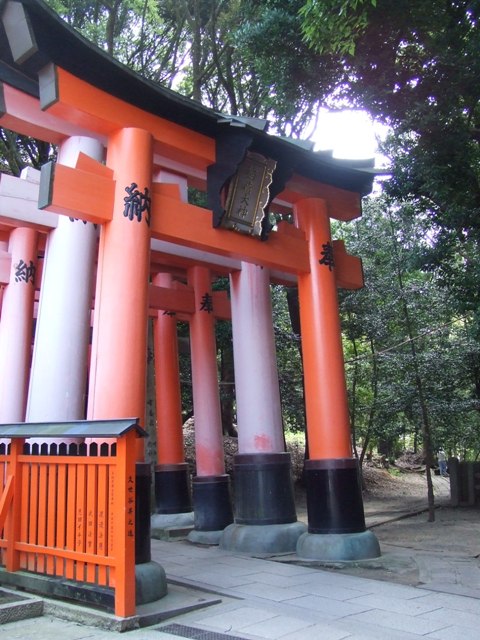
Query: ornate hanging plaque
column 248, row 195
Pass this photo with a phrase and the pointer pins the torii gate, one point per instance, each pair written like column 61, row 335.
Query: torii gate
column 157, row 143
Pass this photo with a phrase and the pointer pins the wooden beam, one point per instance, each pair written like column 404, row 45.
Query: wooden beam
column 65, row 96
column 76, row 193
column 21, row 112
column 180, row 299
column 19, row 203
column 170, row 299
column 342, row 205
column 348, row 269
column 185, row 224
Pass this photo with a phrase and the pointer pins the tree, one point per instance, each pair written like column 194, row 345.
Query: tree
column 145, row 35
column 18, row 152
column 216, row 52
column 416, row 67
column 289, row 361
column 405, row 342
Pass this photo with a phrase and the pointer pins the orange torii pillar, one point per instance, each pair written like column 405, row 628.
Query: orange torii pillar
column 336, row 521
column 118, row 363
column 58, row 378
column 16, row 324
column 173, row 506
column 211, row 485
column 265, row 517
column 117, row 386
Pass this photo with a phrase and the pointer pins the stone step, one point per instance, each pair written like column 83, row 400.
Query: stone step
column 15, row 606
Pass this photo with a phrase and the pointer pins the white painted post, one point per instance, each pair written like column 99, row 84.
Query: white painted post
column 259, row 417
column 16, row 324
column 59, row 366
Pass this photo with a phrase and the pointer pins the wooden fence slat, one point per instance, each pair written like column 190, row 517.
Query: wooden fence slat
column 71, row 517
column 12, row 557
column 3, row 475
column 92, row 516
column 80, row 521
column 25, row 510
column 60, row 521
column 33, row 514
column 6, row 500
column 3, row 471
column 42, row 514
column 51, row 515
column 102, row 506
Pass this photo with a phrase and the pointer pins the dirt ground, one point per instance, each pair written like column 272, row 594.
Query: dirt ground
column 438, row 555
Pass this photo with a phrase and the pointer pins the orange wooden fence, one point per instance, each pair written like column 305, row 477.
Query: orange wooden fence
column 71, row 515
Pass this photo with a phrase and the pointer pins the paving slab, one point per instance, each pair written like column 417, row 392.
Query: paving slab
column 225, row 595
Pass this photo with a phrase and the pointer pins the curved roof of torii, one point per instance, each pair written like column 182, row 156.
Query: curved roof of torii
column 48, row 39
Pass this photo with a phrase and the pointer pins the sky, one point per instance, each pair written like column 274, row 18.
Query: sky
column 349, row 133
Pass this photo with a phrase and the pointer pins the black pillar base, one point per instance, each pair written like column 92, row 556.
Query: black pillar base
column 212, row 503
column 263, row 489
column 334, row 496
column 142, row 512
column 172, row 489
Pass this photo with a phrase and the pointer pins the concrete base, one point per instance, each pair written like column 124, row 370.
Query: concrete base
column 171, row 526
column 18, row 607
column 335, row 547
column 150, row 582
column 267, row 538
column 205, row 537
column 178, row 601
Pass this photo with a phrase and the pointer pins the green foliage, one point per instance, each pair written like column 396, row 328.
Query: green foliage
column 331, row 26
column 382, row 369
column 394, row 472
column 18, row 151
column 289, row 363
column 142, row 34
column 299, row 78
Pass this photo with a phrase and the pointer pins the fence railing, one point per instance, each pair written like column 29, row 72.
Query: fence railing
column 69, row 510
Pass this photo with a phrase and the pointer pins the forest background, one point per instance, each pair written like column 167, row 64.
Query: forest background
column 411, row 335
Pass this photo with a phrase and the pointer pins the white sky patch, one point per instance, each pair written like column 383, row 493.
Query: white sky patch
column 349, row 134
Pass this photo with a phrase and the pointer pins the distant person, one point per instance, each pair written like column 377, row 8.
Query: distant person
column 442, row 463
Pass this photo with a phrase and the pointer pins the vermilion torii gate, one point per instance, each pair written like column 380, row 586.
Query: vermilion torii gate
column 128, row 150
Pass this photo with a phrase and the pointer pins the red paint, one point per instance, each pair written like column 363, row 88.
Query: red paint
column 263, row 442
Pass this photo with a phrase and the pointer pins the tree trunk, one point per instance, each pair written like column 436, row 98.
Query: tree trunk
column 294, row 314
column 227, row 391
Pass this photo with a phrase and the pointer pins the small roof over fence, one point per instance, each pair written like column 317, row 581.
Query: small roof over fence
column 74, row 429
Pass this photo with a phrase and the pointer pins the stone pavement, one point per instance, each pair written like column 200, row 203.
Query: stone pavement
column 427, row 584
column 219, row 595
